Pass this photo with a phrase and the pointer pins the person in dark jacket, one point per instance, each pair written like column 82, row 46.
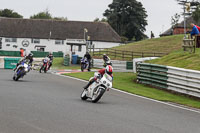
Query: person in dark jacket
column 50, row 56
column 88, row 56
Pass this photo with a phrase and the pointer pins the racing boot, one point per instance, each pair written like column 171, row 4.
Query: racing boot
column 89, row 83
column 16, row 67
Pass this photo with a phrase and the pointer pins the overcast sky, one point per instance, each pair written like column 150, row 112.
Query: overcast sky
column 159, row 11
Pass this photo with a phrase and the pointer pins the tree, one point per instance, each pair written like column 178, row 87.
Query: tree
column 61, row 18
column 42, row 15
column 174, row 21
column 98, row 20
column 196, row 14
column 46, row 15
column 10, row 14
column 128, row 18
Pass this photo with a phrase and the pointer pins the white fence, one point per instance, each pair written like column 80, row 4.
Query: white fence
column 184, row 81
column 180, row 80
column 117, row 65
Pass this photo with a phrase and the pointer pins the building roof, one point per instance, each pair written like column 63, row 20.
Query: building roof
column 54, row 29
column 167, row 32
column 180, row 25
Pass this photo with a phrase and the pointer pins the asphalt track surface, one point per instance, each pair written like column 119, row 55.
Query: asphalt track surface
column 47, row 103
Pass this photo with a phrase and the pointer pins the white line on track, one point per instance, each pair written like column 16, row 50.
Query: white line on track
column 172, row 105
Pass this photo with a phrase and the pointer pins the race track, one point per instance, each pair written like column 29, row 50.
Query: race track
column 47, row 103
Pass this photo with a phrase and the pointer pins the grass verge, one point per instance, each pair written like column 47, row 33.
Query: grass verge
column 58, row 64
column 180, row 59
column 125, row 82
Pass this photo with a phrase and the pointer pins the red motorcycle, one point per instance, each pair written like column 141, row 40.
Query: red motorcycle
column 45, row 66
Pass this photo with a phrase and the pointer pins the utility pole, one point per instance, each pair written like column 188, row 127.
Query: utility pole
column 86, row 38
column 188, row 8
column 185, row 36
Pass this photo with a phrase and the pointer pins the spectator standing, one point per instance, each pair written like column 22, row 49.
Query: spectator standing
column 194, row 31
column 152, row 35
column 22, row 52
column 198, row 38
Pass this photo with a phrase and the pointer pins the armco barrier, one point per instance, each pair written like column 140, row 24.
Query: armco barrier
column 36, row 53
column 10, row 63
column 10, row 53
column 44, row 54
column 176, row 79
column 117, row 65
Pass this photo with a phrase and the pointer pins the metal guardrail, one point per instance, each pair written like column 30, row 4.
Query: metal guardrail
column 176, row 79
column 117, row 65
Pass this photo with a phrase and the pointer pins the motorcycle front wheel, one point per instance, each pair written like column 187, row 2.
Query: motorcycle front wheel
column 45, row 69
column 21, row 73
column 83, row 95
column 41, row 68
column 82, row 67
column 98, row 95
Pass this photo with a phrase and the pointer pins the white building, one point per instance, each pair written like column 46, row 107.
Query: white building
column 54, row 36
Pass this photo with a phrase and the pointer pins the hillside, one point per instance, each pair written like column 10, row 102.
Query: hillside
column 164, row 45
column 146, row 48
column 180, row 59
column 170, row 44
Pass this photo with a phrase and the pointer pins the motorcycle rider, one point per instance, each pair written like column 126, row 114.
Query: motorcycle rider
column 101, row 72
column 106, row 59
column 28, row 58
column 50, row 56
column 88, row 56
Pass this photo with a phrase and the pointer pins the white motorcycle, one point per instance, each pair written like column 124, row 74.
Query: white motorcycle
column 96, row 90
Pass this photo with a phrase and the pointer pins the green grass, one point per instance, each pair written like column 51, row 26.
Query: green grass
column 163, row 44
column 58, row 64
column 126, row 82
column 180, row 59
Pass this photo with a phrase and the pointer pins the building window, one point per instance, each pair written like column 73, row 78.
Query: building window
column 35, row 41
column 11, row 40
column 59, row 42
column 40, row 49
column 80, row 48
column 15, row 46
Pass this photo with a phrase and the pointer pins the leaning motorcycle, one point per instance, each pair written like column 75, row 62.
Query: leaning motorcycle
column 96, row 90
column 84, row 64
column 21, row 70
column 45, row 66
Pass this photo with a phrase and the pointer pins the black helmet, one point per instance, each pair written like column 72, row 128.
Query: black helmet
column 104, row 55
column 30, row 54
